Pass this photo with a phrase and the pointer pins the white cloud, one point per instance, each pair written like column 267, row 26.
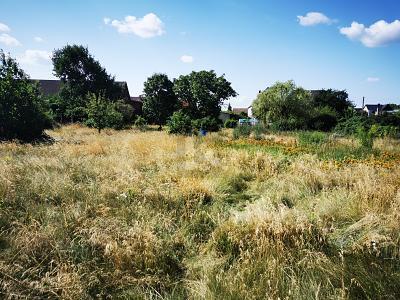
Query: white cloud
column 38, row 39
column 373, row 79
column 107, row 21
column 9, row 40
column 314, row 18
column 187, row 59
column 378, row 34
column 4, row 28
column 147, row 27
column 34, row 57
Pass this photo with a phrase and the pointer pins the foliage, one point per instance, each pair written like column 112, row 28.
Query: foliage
column 81, row 74
column 284, row 105
column 242, row 131
column 22, row 111
column 179, row 123
column 313, row 138
column 202, row 93
column 102, row 113
column 207, row 123
column 323, row 119
column 140, row 122
column 337, row 101
column 351, row 124
column 159, row 101
column 366, row 137
column 126, row 110
column 230, row 123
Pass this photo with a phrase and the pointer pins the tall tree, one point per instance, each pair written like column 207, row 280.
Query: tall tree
column 334, row 99
column 202, row 93
column 81, row 75
column 284, row 105
column 159, row 101
column 22, row 110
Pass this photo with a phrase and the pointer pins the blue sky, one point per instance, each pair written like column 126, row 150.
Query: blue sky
column 255, row 43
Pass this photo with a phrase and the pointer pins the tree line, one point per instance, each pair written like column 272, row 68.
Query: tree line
column 91, row 96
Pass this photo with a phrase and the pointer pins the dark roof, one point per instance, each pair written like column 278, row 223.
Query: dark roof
column 137, row 99
column 48, row 87
column 374, row 107
column 240, row 110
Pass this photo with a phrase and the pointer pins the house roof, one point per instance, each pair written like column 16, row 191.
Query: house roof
column 374, row 107
column 50, row 87
column 137, row 99
column 240, row 110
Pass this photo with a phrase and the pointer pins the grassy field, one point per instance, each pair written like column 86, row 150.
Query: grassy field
column 146, row 215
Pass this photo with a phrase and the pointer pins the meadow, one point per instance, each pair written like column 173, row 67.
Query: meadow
column 145, row 215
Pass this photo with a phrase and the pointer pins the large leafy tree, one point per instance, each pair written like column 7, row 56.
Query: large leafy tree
column 159, row 101
column 202, row 93
column 336, row 100
column 284, row 105
column 82, row 74
column 22, row 110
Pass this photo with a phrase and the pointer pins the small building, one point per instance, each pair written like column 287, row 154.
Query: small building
column 374, row 109
column 137, row 103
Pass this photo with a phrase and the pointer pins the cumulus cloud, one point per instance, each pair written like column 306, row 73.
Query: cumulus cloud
column 4, row 28
column 34, row 57
column 378, row 34
column 38, row 39
column 9, row 40
column 373, row 79
column 147, row 27
column 314, row 18
column 187, row 59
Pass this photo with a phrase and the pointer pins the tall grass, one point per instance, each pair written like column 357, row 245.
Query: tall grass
column 146, row 215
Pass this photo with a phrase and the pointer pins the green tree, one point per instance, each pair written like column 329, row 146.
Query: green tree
column 179, row 123
column 334, row 99
column 102, row 113
column 81, row 74
column 159, row 101
column 22, row 110
column 202, row 93
column 284, row 105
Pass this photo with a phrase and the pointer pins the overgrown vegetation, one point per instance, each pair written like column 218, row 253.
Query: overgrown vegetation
column 150, row 215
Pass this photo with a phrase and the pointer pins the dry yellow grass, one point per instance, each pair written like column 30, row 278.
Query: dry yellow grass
column 146, row 215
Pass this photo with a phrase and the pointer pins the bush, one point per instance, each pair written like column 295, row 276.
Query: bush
column 126, row 110
column 324, row 119
column 242, row 131
column 140, row 122
column 365, row 137
column 207, row 123
column 350, row 124
column 230, row 123
column 102, row 113
column 179, row 123
column 307, row 138
column 22, row 111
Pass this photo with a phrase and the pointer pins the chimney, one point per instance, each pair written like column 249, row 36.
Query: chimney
column 363, row 102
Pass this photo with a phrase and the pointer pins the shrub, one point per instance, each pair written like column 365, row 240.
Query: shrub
column 102, row 113
column 242, row 131
column 207, row 123
column 351, row 124
column 126, row 110
column 230, row 123
column 22, row 110
column 179, row 123
column 324, row 119
column 365, row 137
column 140, row 122
column 258, row 131
column 307, row 138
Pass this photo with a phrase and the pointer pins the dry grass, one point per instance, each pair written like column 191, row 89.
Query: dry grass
column 145, row 215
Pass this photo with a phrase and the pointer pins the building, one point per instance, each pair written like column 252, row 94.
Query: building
column 49, row 87
column 374, row 109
